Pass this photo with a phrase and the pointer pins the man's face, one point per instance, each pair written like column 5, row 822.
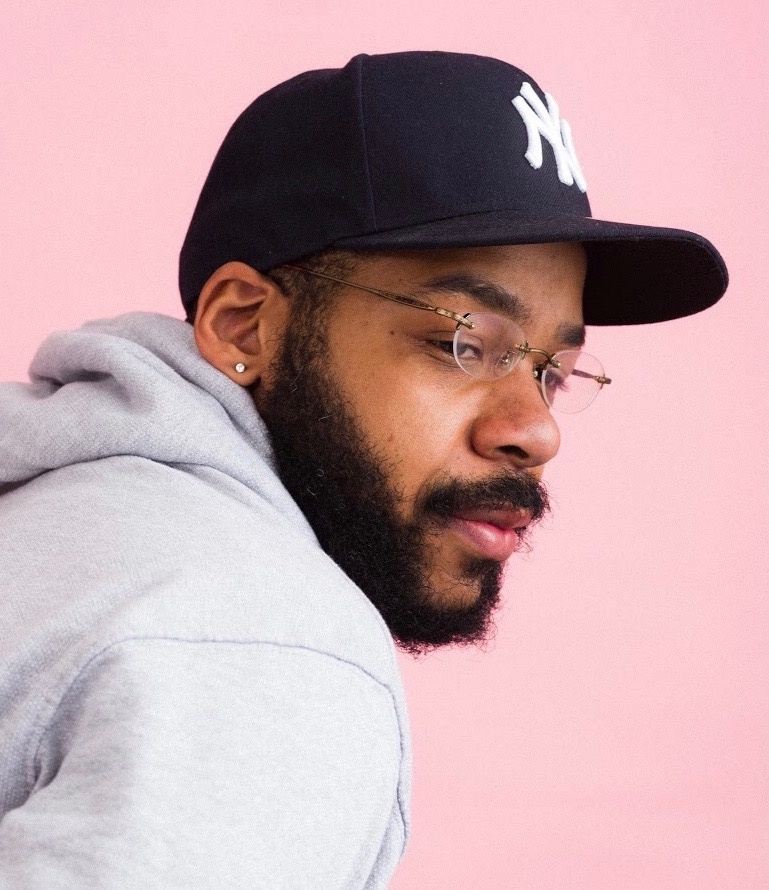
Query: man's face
column 418, row 479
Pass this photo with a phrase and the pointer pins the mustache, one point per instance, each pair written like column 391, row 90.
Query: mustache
column 510, row 491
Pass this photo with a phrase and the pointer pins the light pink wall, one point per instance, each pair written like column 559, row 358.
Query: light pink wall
column 614, row 736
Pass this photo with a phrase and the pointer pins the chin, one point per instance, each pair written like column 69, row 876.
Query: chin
column 454, row 594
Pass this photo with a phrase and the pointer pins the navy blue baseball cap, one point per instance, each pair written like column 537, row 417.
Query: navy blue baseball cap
column 429, row 150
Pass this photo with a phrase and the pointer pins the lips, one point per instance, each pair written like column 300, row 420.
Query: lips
column 493, row 534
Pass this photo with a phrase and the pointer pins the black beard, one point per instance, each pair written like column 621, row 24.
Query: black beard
column 343, row 488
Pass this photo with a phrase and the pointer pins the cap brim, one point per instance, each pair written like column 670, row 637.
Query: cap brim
column 636, row 274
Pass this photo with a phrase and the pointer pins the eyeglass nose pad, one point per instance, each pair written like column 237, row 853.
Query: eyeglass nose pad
column 503, row 365
column 507, row 361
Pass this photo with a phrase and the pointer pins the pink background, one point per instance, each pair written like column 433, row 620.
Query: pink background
column 614, row 735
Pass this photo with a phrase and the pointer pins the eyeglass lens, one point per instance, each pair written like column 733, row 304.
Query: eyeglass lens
column 495, row 345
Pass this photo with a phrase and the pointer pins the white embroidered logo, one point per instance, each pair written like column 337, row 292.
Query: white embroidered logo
column 545, row 121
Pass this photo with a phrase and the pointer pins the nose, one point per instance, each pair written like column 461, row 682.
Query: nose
column 514, row 425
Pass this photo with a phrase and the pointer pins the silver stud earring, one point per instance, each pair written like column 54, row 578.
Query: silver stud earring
column 240, row 367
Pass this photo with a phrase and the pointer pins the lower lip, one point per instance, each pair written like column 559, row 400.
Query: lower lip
column 490, row 541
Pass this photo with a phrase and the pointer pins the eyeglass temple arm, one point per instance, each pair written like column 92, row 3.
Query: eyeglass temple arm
column 388, row 295
column 599, row 378
column 447, row 313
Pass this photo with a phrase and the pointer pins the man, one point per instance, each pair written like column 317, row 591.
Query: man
column 212, row 531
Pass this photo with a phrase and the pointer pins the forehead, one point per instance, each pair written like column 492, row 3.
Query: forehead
column 538, row 285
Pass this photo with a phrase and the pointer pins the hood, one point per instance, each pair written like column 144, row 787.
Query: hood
column 134, row 385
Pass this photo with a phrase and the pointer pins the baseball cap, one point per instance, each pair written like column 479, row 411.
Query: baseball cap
column 429, row 150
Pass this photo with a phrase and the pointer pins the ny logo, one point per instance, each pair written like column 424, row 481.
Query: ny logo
column 545, row 121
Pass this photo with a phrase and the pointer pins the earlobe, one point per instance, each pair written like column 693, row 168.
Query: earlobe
column 239, row 322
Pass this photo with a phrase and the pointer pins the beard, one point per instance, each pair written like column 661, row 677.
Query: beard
column 343, row 487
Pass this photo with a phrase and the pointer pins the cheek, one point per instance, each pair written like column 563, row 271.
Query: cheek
column 418, row 426
column 415, row 416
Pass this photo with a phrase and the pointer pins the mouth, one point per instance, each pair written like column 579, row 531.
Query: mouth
column 492, row 534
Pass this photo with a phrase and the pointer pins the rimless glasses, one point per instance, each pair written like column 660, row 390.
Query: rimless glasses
column 488, row 346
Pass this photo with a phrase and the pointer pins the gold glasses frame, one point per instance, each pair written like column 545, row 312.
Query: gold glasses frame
column 461, row 320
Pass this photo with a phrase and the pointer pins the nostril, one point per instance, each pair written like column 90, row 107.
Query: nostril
column 514, row 451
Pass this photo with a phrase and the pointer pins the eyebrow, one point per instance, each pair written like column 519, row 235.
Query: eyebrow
column 498, row 299
column 571, row 334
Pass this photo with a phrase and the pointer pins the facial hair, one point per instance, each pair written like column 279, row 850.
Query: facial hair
column 343, row 486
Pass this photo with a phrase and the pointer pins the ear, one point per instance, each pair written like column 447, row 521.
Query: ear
column 240, row 320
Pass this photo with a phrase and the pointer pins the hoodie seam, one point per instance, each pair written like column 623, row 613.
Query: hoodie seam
column 44, row 725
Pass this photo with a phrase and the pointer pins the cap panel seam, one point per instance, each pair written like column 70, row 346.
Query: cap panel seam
column 362, row 117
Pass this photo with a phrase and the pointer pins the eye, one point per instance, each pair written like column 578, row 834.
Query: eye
column 467, row 351
column 470, row 351
column 446, row 346
column 556, row 379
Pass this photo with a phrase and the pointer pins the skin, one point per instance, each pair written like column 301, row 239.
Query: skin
column 420, row 413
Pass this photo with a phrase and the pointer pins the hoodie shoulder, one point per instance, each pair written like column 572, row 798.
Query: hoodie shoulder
column 169, row 549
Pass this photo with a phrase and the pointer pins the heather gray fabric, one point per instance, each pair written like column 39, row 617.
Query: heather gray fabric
column 192, row 694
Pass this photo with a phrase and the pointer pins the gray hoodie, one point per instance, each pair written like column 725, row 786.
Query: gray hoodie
column 192, row 694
